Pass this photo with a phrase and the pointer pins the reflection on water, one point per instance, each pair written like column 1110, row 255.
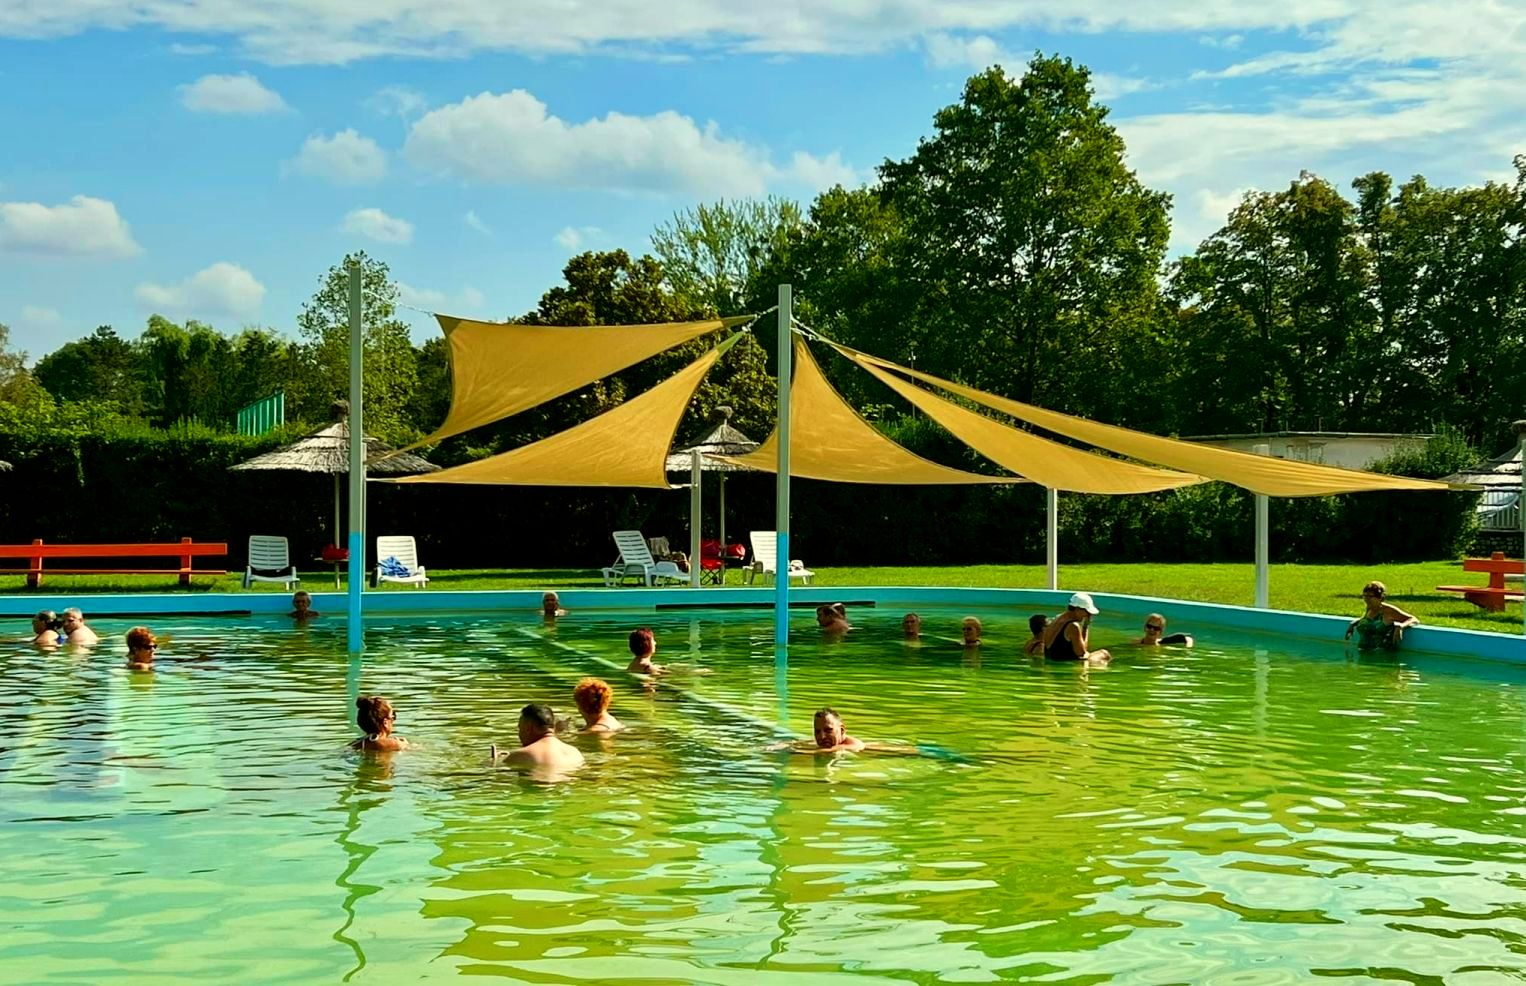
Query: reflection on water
column 1255, row 811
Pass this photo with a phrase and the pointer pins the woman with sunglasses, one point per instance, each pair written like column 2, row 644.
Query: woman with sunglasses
column 141, row 648
column 1383, row 624
column 1155, row 633
column 375, row 716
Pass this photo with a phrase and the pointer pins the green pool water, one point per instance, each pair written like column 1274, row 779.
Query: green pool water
column 1254, row 811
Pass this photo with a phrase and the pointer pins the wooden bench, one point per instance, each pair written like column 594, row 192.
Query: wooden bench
column 1495, row 595
column 185, row 551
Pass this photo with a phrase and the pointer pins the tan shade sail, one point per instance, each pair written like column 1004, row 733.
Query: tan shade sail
column 625, row 446
column 828, row 440
column 1041, row 460
column 501, row 368
column 1257, row 473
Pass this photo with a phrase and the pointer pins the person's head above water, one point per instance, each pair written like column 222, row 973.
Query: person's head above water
column 71, row 620
column 1375, row 590
column 141, row 645
column 1036, row 623
column 1154, row 625
column 592, row 696
column 969, row 630
column 536, row 721
column 1083, row 601
column 45, row 619
column 301, row 601
column 643, row 643
column 550, row 604
column 374, row 715
column 911, row 625
column 828, row 727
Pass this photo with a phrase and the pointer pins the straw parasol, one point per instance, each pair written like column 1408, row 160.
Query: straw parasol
column 4, row 466
column 327, row 450
column 720, row 440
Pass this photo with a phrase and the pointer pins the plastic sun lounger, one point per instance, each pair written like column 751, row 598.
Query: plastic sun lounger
column 406, row 551
column 636, row 560
column 765, row 553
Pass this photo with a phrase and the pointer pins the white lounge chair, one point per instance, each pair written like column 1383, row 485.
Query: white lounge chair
column 406, row 551
column 636, row 561
column 270, row 561
column 765, row 559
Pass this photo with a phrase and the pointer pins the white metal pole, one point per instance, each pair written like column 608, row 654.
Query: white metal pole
column 1263, row 543
column 355, row 636
column 1052, row 535
column 1520, row 509
column 694, row 518
column 721, row 506
column 781, row 519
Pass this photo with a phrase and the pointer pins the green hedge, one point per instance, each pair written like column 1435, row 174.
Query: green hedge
column 156, row 485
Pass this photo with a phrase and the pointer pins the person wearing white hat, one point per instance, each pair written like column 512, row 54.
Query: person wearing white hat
column 1065, row 637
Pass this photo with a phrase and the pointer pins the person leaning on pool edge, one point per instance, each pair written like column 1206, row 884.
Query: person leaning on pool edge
column 1065, row 637
column 1383, row 624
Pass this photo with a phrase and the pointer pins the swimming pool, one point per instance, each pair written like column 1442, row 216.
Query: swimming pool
column 1257, row 810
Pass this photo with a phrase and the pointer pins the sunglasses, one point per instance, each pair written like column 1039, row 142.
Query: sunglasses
column 1154, row 626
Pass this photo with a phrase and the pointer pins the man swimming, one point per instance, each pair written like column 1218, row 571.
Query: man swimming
column 302, row 606
column 540, row 749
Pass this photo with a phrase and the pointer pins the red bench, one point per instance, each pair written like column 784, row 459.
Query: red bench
column 1494, row 595
column 185, row 551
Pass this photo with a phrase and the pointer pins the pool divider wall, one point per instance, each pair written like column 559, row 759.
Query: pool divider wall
column 1189, row 616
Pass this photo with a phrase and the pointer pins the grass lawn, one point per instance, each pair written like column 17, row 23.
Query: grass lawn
column 1307, row 588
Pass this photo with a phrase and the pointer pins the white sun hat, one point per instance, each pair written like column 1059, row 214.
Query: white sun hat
column 1083, row 600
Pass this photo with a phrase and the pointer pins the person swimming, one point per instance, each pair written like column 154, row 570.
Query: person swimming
column 45, row 629
column 969, row 631
column 376, row 717
column 1036, row 624
column 1065, row 638
column 1155, row 633
column 911, row 626
column 551, row 606
column 302, row 606
column 833, row 619
column 141, row 648
column 643, row 646
column 592, row 697
column 539, row 748
column 1383, row 624
column 72, row 629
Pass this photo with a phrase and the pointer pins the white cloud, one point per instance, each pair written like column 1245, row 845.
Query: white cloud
column 572, row 238
column 510, row 138
column 82, row 227
column 969, row 53
column 399, row 101
column 377, row 225
column 1109, row 87
column 221, row 289
column 475, row 222
column 347, row 158
column 192, row 50
column 242, row 94
column 36, row 318
column 467, row 301
column 821, row 172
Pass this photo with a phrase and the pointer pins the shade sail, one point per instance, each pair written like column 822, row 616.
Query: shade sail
column 1039, row 459
column 1257, row 473
column 828, row 440
column 501, row 368
column 625, row 446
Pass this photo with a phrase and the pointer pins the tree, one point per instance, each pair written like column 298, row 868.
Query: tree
column 391, row 372
column 102, row 367
column 712, row 254
column 17, row 386
column 1026, row 238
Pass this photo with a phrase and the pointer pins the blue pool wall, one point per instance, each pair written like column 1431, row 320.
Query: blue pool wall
column 1189, row 616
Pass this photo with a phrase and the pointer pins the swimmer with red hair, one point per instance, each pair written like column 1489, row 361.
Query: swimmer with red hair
column 592, row 697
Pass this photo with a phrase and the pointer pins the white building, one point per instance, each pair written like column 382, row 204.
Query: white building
column 1347, row 449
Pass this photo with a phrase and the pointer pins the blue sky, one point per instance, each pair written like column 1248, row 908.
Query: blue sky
column 211, row 159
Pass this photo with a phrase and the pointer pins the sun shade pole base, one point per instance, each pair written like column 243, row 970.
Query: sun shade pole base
column 1263, row 542
column 1052, row 536
column 355, row 634
column 694, row 519
column 781, row 525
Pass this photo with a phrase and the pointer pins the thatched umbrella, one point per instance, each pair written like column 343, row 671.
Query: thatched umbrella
column 720, row 440
column 4, row 466
column 327, row 450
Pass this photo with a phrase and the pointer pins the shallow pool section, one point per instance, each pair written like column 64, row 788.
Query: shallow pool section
column 1251, row 811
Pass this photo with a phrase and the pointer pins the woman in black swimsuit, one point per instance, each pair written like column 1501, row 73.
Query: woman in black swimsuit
column 1065, row 637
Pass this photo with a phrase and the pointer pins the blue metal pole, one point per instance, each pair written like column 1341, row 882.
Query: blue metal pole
column 355, row 635
column 781, row 526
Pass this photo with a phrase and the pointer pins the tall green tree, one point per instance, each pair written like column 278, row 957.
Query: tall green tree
column 391, row 372
column 713, row 253
column 17, row 385
column 1030, row 244
column 100, row 367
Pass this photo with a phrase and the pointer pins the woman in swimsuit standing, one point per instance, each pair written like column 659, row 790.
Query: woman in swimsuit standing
column 1383, row 624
